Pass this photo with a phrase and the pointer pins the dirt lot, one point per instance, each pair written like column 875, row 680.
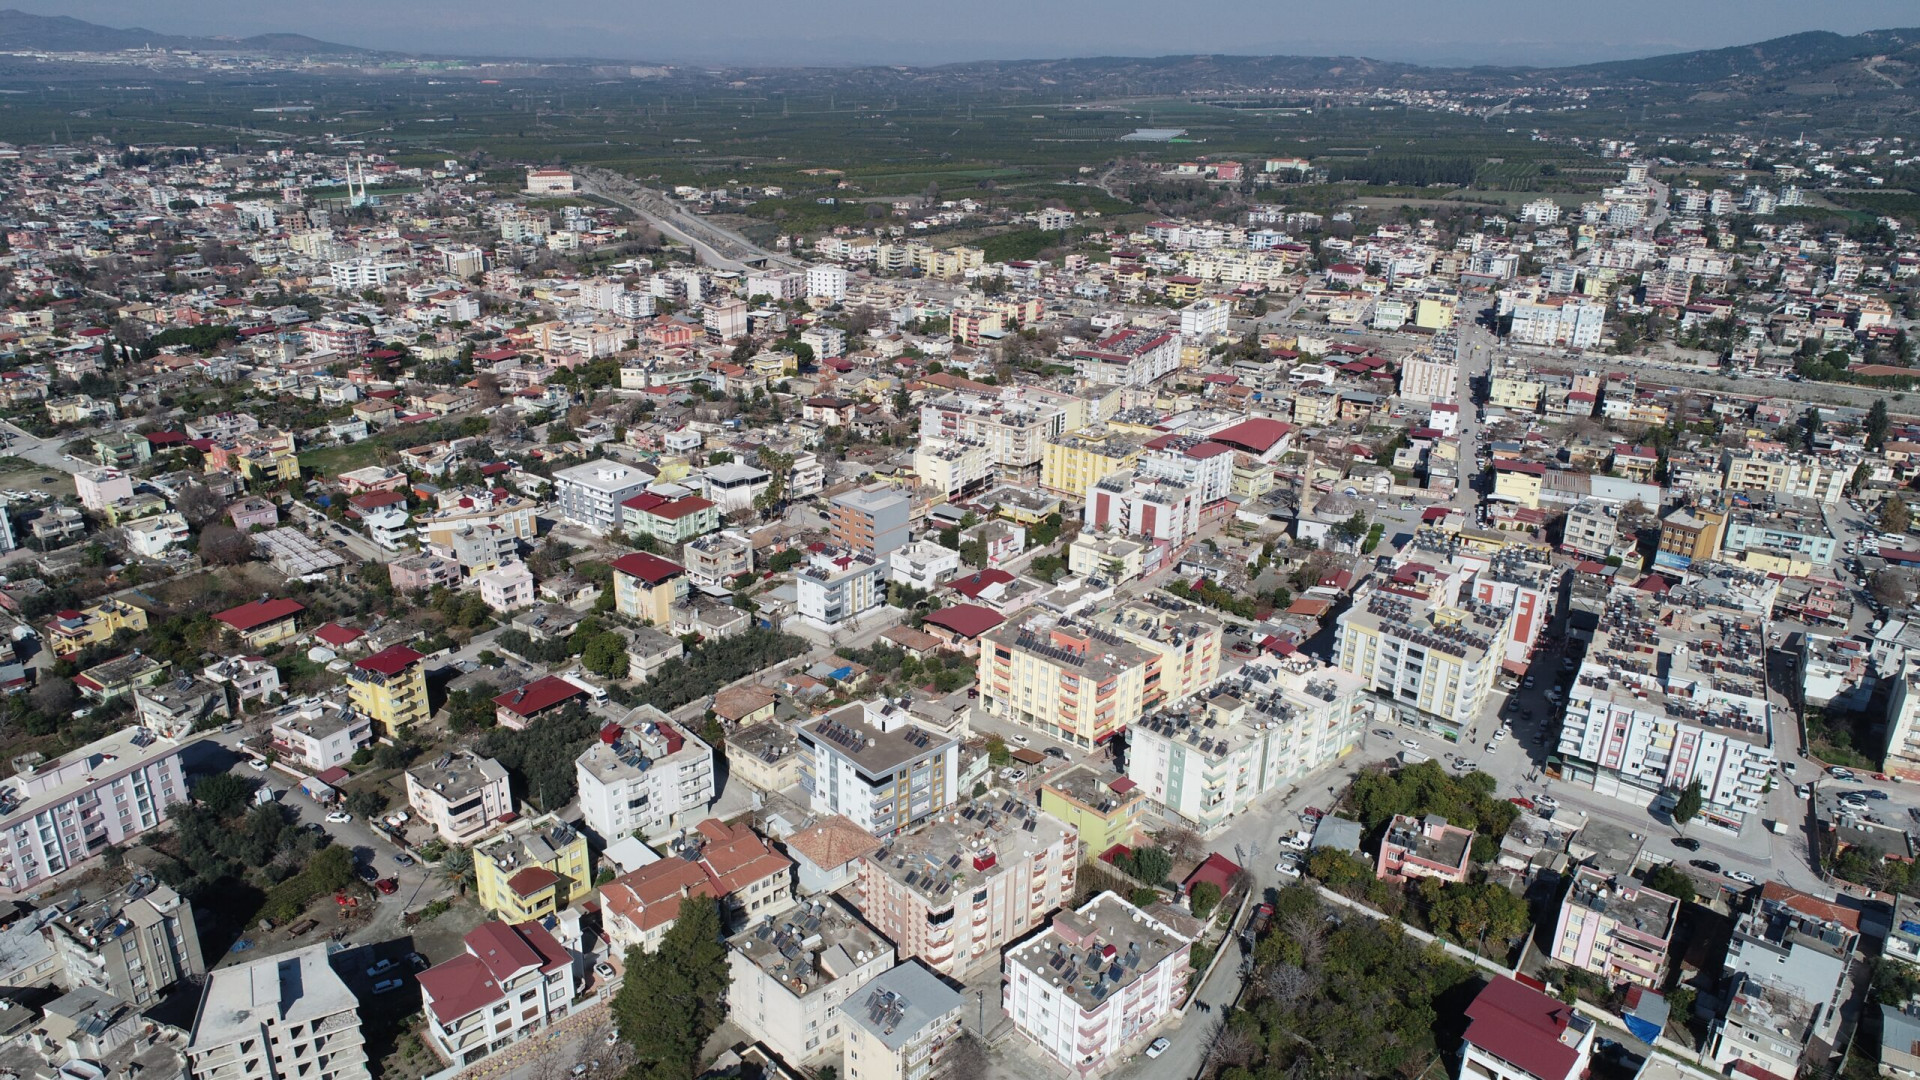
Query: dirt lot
column 197, row 592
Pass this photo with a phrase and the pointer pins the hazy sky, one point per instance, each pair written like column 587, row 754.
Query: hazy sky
column 903, row 31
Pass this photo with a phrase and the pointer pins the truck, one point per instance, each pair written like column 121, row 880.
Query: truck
column 1256, row 925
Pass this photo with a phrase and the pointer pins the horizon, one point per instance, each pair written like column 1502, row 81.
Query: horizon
column 494, row 29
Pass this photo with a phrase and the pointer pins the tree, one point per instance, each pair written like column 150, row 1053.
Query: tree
column 1151, row 865
column 1351, row 530
column 1878, row 424
column 366, row 804
column 998, row 755
column 1687, row 806
column 199, row 505
column 674, row 997
column 965, row 1058
column 1664, row 878
column 1203, row 898
column 223, row 793
column 457, row 867
column 1894, row 515
column 224, row 545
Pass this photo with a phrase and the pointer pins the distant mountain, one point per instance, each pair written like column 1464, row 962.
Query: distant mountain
column 63, row 33
column 1796, row 56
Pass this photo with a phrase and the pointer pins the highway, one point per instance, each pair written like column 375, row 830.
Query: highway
column 715, row 246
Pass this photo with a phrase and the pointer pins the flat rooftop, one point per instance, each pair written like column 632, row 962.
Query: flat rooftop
column 1097, row 951
column 49, row 783
column 290, row 988
column 966, row 846
column 809, row 947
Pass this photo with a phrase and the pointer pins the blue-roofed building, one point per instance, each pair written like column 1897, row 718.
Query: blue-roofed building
column 900, row 1024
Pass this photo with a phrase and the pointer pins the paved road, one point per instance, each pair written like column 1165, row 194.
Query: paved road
column 716, row 246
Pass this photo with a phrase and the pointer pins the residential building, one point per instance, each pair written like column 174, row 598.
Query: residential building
column 648, row 775
column 318, row 739
column 1762, row 1031
column 671, row 521
column 1688, row 536
column 1801, row 946
column 871, row 763
column 957, row 890
column 1128, row 357
column 1902, row 756
column 1781, row 525
column 172, row 710
column 391, row 688
column 1424, row 847
column 263, row 622
column 871, row 520
column 1592, row 529
column 735, row 485
column 56, row 814
column 1095, row 986
column 1139, row 504
column 717, row 559
column 119, row 677
column 462, row 797
column 1430, row 378
column 1515, row 1032
column 507, row 587
column 764, row 756
column 531, row 870
column 1561, row 321
column 511, row 982
column 590, row 495
column 72, row 632
column 288, row 1016
column 900, row 1025
column 251, row 677
column 731, row 863
column 135, row 942
column 1783, row 472
column 1435, row 661
column 1035, row 669
column 545, row 696
column 1261, row 731
column 794, row 978
column 646, row 587
column 1102, row 806
column 101, row 488
column 1616, row 928
column 835, row 587
column 1070, row 464
column 952, row 467
column 923, row 565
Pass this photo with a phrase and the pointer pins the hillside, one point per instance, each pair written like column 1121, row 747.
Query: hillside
column 22, row 30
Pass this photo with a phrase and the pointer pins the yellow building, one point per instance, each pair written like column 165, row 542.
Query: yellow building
column 1519, row 482
column 1252, row 477
column 532, row 870
column 1110, row 557
column 1072, row 463
column 1062, row 680
column 390, row 687
column 1183, row 287
column 1316, row 408
column 1769, row 562
column 1514, row 392
column 1187, row 641
column 70, row 632
column 1103, row 805
column 1433, row 315
column 647, row 586
column 1689, row 536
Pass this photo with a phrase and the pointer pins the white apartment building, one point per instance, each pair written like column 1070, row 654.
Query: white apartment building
column 828, row 282
column 320, row 736
column 1558, row 321
column 152, row 537
column 282, row 1017
column 1424, row 377
column 134, row 943
column 872, row 764
column 1204, row 320
column 1015, row 433
column 1434, row 661
column 794, row 974
column 648, row 774
column 462, row 797
column 510, row 983
column 731, row 486
column 837, row 586
column 56, row 814
column 355, row 275
column 952, row 467
column 825, row 341
column 101, row 488
column 389, row 526
column 1094, row 987
column 1259, row 731
column 1666, row 697
column 507, row 587
column 1206, row 467
column 923, row 565
column 1130, row 357
column 1515, row 1032
column 900, row 1025
column 589, row 495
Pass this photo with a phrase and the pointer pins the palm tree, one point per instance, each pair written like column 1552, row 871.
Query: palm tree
column 457, row 867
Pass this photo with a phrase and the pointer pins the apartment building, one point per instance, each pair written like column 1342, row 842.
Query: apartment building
column 923, row 565
column 72, row 632
column 506, row 588
column 1435, row 661
column 101, row 488
column 283, row 1017
column 1801, row 946
column 871, row 520
column 135, row 943
column 871, row 763
column 836, row 586
column 1515, row 1032
column 56, row 814
column 1186, row 640
column 1902, row 757
column 1558, row 321
column 1783, row 472
column 1151, row 508
column 1065, row 678
column 1128, row 357
column 1070, row 464
column 531, row 870
column 1592, row 529
column 1430, row 378
column 390, row 687
column 899, row 1025
column 1781, row 525
column 1014, row 433
column 172, row 710
column 1263, row 729
column 646, row 587
column 1616, row 928
column 717, row 559
column 671, row 521
column 794, row 975
column 1424, row 847
column 318, row 738
column 1103, row 807
column 1095, row 987
column 952, row 467
column 463, row 797
column 1190, row 461
column 956, row 890
column 1688, row 536
column 649, row 775
column 1762, row 1030
column 589, row 495
column 513, row 981
column 731, row 863
column 1670, row 692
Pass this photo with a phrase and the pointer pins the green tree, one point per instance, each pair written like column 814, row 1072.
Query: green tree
column 1894, row 515
column 674, row 997
column 1878, row 424
column 1151, row 865
column 1664, row 878
column 998, row 755
column 1687, row 806
column 1203, row 898
column 223, row 793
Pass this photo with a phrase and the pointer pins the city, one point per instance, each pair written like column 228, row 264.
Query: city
column 1128, row 595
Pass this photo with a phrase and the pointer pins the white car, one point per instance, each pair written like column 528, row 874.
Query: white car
column 1158, row 1047
column 1546, row 801
column 1287, row 868
column 1298, row 841
column 1743, row 877
column 1491, row 747
column 340, row 817
column 1022, row 739
column 1410, row 744
column 257, row 764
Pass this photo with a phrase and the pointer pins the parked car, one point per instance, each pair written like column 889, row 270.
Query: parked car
column 1877, row 796
column 386, row 986
column 339, row 817
column 1288, row 867
column 604, row 970
column 1158, row 1047
column 403, row 859
column 387, row 886
column 1743, row 877
column 1687, row 842
column 257, row 764
column 1708, row 865
column 1410, row 744
column 1803, row 791
column 379, row 969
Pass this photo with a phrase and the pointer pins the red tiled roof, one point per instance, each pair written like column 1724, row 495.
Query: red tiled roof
column 1522, row 1026
column 542, row 693
column 532, row 880
column 335, row 634
column 651, row 569
column 471, row 981
column 1218, row 869
column 1256, row 435
column 967, row 620
column 391, row 660
column 972, row 585
column 260, row 613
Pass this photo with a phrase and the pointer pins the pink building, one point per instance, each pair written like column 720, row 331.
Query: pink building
column 252, row 511
column 422, row 571
column 1425, row 847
